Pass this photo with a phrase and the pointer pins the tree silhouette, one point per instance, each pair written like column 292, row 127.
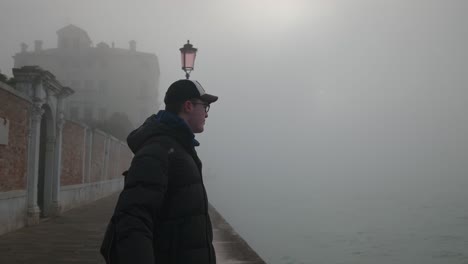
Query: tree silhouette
column 118, row 125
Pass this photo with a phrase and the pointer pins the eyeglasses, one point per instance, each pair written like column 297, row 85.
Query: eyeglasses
column 205, row 105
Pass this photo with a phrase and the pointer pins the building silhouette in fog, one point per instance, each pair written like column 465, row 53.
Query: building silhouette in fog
column 106, row 79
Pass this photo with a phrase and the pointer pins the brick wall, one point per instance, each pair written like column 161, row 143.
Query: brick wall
column 73, row 147
column 13, row 157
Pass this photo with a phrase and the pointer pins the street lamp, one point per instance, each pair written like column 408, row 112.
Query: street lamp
column 188, row 53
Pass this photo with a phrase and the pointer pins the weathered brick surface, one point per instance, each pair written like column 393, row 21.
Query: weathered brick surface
column 72, row 153
column 114, row 155
column 97, row 157
column 120, row 157
column 13, row 157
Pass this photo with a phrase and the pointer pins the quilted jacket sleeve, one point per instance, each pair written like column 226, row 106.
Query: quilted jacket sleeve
column 138, row 204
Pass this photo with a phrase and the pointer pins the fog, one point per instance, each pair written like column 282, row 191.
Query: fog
column 341, row 132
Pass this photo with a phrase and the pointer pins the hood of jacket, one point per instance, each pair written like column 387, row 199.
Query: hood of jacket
column 162, row 124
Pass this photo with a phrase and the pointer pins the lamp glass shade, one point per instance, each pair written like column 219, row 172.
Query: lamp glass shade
column 188, row 60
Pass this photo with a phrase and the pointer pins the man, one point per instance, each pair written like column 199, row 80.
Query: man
column 162, row 213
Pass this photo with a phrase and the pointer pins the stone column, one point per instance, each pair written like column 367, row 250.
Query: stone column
column 33, row 213
column 55, row 207
column 106, row 157
column 88, row 155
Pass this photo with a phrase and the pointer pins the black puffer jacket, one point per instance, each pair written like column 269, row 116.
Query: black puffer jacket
column 162, row 213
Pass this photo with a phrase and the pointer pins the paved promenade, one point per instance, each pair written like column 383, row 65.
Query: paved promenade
column 75, row 237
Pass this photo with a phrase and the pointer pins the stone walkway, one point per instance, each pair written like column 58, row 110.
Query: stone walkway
column 75, row 237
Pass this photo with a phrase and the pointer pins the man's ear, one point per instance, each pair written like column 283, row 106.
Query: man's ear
column 187, row 107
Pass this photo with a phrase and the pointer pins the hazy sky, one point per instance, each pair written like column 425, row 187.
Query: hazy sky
column 317, row 98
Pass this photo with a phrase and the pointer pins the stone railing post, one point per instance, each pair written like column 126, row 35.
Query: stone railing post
column 55, row 207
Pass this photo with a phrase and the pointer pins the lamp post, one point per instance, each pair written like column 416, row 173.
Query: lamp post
column 188, row 53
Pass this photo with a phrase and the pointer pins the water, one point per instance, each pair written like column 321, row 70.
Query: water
column 381, row 232
column 357, row 227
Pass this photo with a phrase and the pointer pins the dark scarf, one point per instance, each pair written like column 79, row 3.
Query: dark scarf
column 174, row 121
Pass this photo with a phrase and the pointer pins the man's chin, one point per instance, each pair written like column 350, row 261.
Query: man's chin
column 198, row 131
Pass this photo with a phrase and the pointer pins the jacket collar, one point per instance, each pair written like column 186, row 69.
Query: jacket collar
column 178, row 124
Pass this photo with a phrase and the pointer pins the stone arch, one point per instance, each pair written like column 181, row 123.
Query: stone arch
column 44, row 140
column 46, row 161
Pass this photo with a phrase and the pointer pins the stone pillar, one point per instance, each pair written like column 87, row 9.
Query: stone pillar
column 88, row 155
column 33, row 213
column 106, row 157
column 55, row 206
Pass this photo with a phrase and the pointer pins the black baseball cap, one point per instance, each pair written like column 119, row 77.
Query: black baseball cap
column 183, row 90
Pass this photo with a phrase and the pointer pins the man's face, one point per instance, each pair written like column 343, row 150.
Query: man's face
column 197, row 115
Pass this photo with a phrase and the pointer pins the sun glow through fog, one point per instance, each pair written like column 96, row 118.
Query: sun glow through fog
column 273, row 15
column 277, row 16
